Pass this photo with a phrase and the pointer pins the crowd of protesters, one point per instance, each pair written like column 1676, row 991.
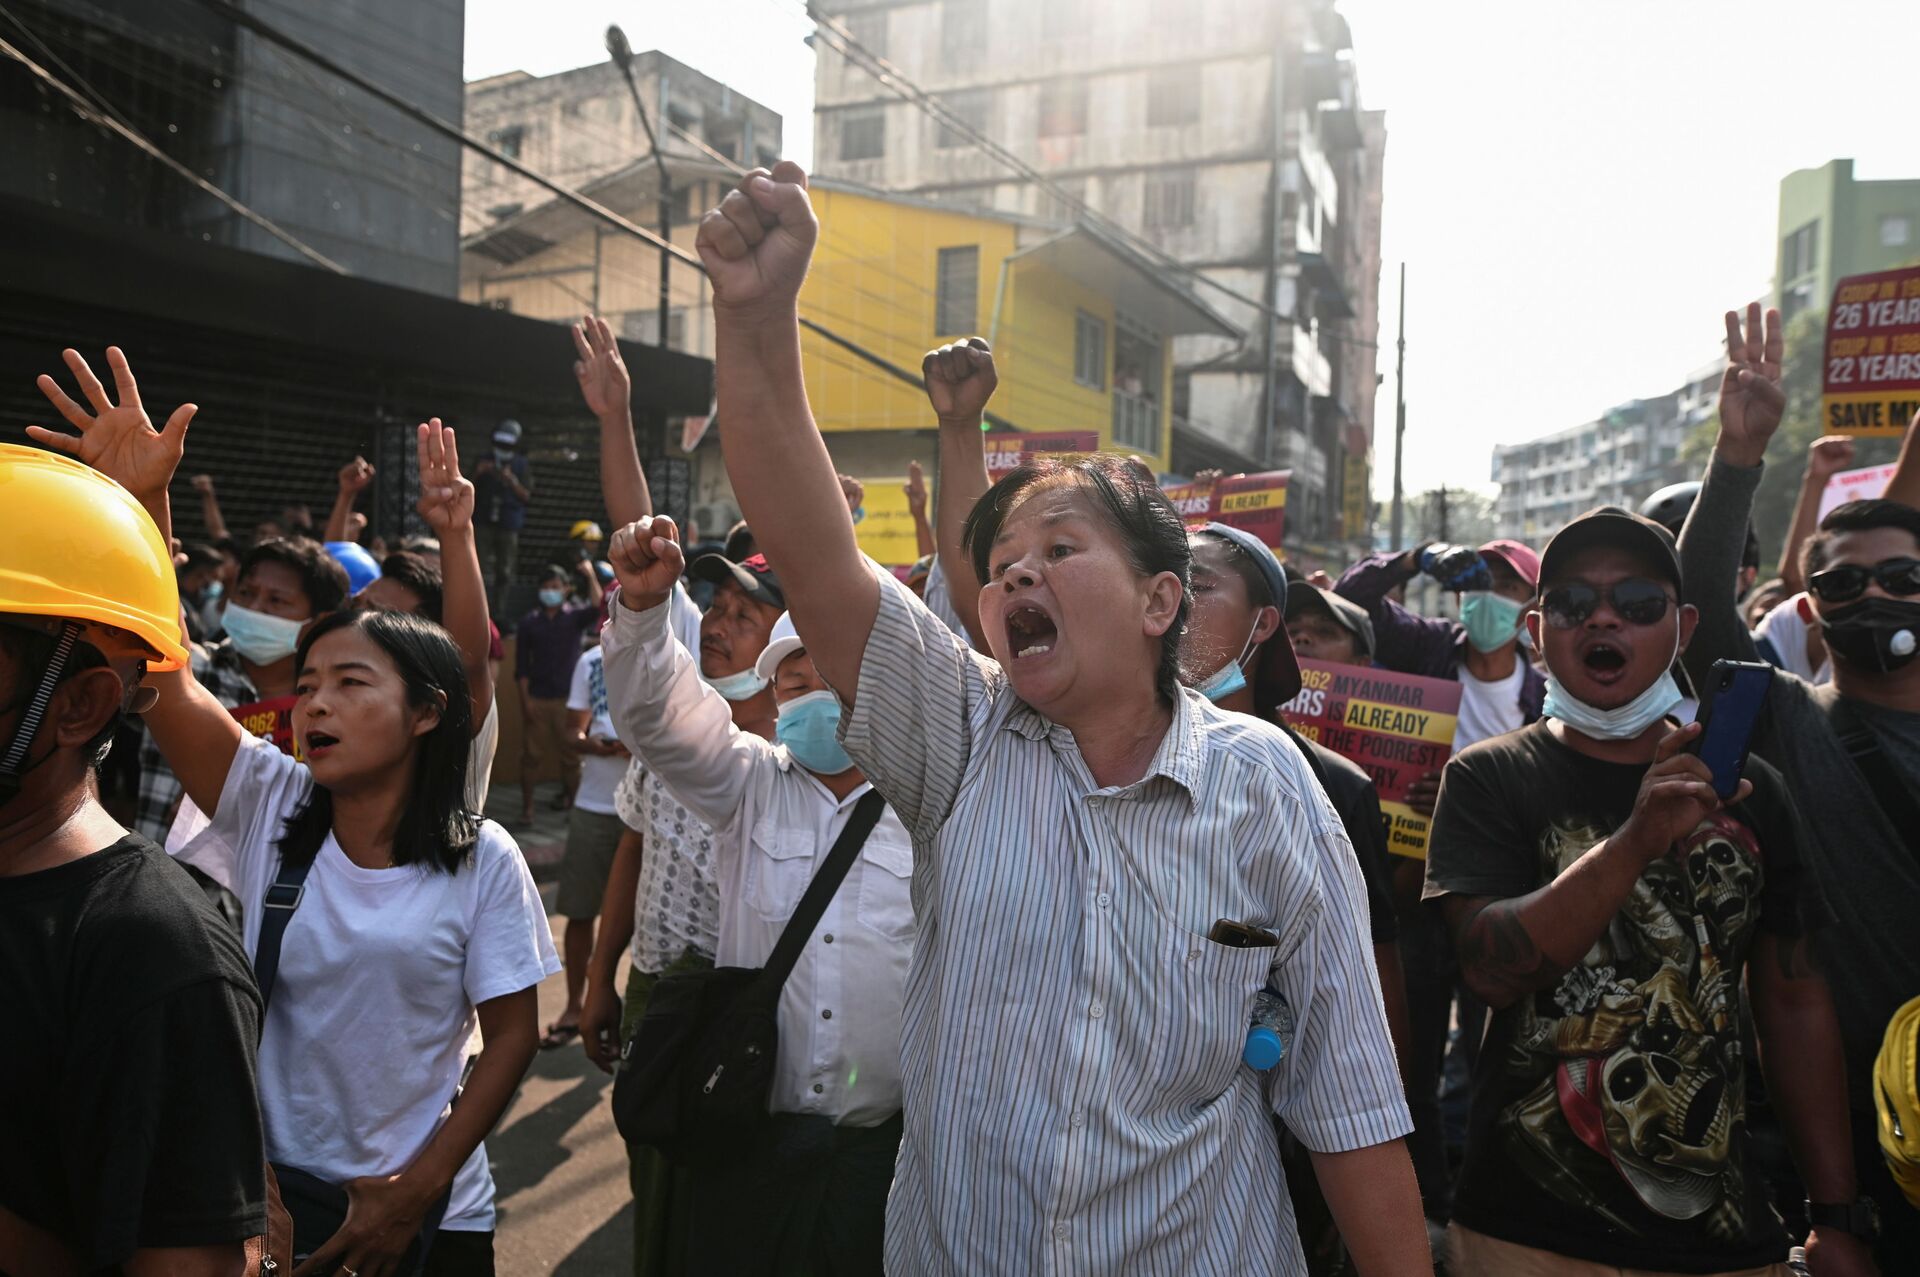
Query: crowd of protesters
column 990, row 917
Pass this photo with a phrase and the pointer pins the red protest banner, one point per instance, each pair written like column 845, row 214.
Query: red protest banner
column 1007, row 451
column 1397, row 727
column 271, row 719
column 1871, row 379
column 1255, row 503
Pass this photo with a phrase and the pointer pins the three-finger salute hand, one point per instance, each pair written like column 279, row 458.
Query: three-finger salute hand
column 960, row 380
column 446, row 498
column 1751, row 400
column 604, row 381
column 647, row 560
column 118, row 440
column 757, row 244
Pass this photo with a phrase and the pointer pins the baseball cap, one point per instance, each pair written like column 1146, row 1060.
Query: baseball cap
column 1521, row 558
column 507, row 433
column 782, row 643
column 753, row 575
column 1351, row 616
column 1609, row 525
column 1278, row 662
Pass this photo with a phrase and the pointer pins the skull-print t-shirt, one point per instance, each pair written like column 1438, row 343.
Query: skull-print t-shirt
column 1609, row 1117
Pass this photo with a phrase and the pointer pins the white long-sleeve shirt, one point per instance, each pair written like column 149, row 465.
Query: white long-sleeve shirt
column 774, row 823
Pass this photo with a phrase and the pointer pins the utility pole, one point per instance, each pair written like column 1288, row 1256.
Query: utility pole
column 1443, row 514
column 1400, row 416
column 623, row 58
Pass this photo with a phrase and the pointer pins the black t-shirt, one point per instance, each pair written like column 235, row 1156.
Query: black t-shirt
column 1609, row 1112
column 1357, row 803
column 129, row 1115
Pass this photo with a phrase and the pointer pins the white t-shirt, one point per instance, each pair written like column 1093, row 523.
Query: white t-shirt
column 1488, row 709
column 599, row 776
column 380, row 970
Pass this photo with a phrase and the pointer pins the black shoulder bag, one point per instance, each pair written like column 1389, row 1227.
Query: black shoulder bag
column 1871, row 761
column 694, row 1077
column 317, row 1207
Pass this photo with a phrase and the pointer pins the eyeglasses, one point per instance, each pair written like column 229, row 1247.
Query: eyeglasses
column 1636, row 600
column 1849, row 581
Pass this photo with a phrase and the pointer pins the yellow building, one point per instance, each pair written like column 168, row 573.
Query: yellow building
column 1081, row 325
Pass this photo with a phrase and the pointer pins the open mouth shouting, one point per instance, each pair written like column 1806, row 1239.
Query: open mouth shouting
column 1030, row 632
column 319, row 744
column 1605, row 663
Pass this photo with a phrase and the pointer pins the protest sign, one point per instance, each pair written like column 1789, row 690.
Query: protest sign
column 1007, row 451
column 1255, row 503
column 1855, row 485
column 884, row 524
column 271, row 720
column 1871, row 378
column 1396, row 727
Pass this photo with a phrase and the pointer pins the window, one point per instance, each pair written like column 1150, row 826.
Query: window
column 863, row 134
column 1063, row 108
column 507, row 141
column 1089, row 351
column 1173, row 97
column 868, row 29
column 963, row 31
column 1800, row 252
column 1169, row 200
column 971, row 106
column 1895, row 232
column 956, row 299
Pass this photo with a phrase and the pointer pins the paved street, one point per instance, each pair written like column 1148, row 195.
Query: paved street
column 558, row 1163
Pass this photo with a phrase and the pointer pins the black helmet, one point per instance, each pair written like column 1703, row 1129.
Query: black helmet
column 1668, row 507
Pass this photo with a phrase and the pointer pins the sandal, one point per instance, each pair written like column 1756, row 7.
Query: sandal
column 558, row 1035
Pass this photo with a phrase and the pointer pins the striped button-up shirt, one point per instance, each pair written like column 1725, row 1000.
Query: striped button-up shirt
column 1075, row 1098
column 773, row 824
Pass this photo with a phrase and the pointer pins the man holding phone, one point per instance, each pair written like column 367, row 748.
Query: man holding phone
column 1605, row 902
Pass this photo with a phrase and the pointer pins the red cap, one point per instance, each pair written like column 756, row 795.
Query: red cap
column 1520, row 558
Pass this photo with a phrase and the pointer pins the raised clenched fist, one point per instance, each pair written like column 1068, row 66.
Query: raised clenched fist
column 647, row 560
column 757, row 244
column 960, row 380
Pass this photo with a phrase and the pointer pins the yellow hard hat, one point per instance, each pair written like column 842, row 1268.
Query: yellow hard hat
column 1896, row 1096
column 76, row 545
column 586, row 530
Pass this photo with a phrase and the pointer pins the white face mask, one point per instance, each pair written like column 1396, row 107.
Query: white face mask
column 743, row 686
column 1624, row 723
column 261, row 638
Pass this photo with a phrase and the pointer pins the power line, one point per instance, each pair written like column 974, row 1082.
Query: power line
column 268, row 31
column 106, row 117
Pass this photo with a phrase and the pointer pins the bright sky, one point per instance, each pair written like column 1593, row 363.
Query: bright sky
column 1579, row 190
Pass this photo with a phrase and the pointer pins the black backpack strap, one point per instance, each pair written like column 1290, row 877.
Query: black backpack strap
column 826, row 881
column 283, row 897
column 1871, row 761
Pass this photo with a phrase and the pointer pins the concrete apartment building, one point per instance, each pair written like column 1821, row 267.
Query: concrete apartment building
column 1832, row 226
column 1621, row 458
column 1226, row 133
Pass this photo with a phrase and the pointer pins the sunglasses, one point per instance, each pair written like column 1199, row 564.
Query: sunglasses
column 1849, row 581
column 1636, row 600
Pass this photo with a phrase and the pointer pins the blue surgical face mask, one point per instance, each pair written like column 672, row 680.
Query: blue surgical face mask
column 1231, row 677
column 743, row 686
column 552, row 598
column 261, row 638
column 1490, row 620
column 1624, row 723
column 809, row 727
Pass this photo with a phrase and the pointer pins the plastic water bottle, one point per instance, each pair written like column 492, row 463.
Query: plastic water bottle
column 1797, row 1262
column 1271, row 1032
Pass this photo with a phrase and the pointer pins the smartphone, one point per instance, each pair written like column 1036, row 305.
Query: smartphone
column 1239, row 935
column 1736, row 693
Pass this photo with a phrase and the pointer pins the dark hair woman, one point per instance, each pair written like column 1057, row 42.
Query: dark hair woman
column 416, row 916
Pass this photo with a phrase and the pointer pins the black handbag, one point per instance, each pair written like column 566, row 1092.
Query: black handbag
column 695, row 1075
column 317, row 1207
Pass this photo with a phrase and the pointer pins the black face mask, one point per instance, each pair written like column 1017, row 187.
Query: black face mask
column 1876, row 635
